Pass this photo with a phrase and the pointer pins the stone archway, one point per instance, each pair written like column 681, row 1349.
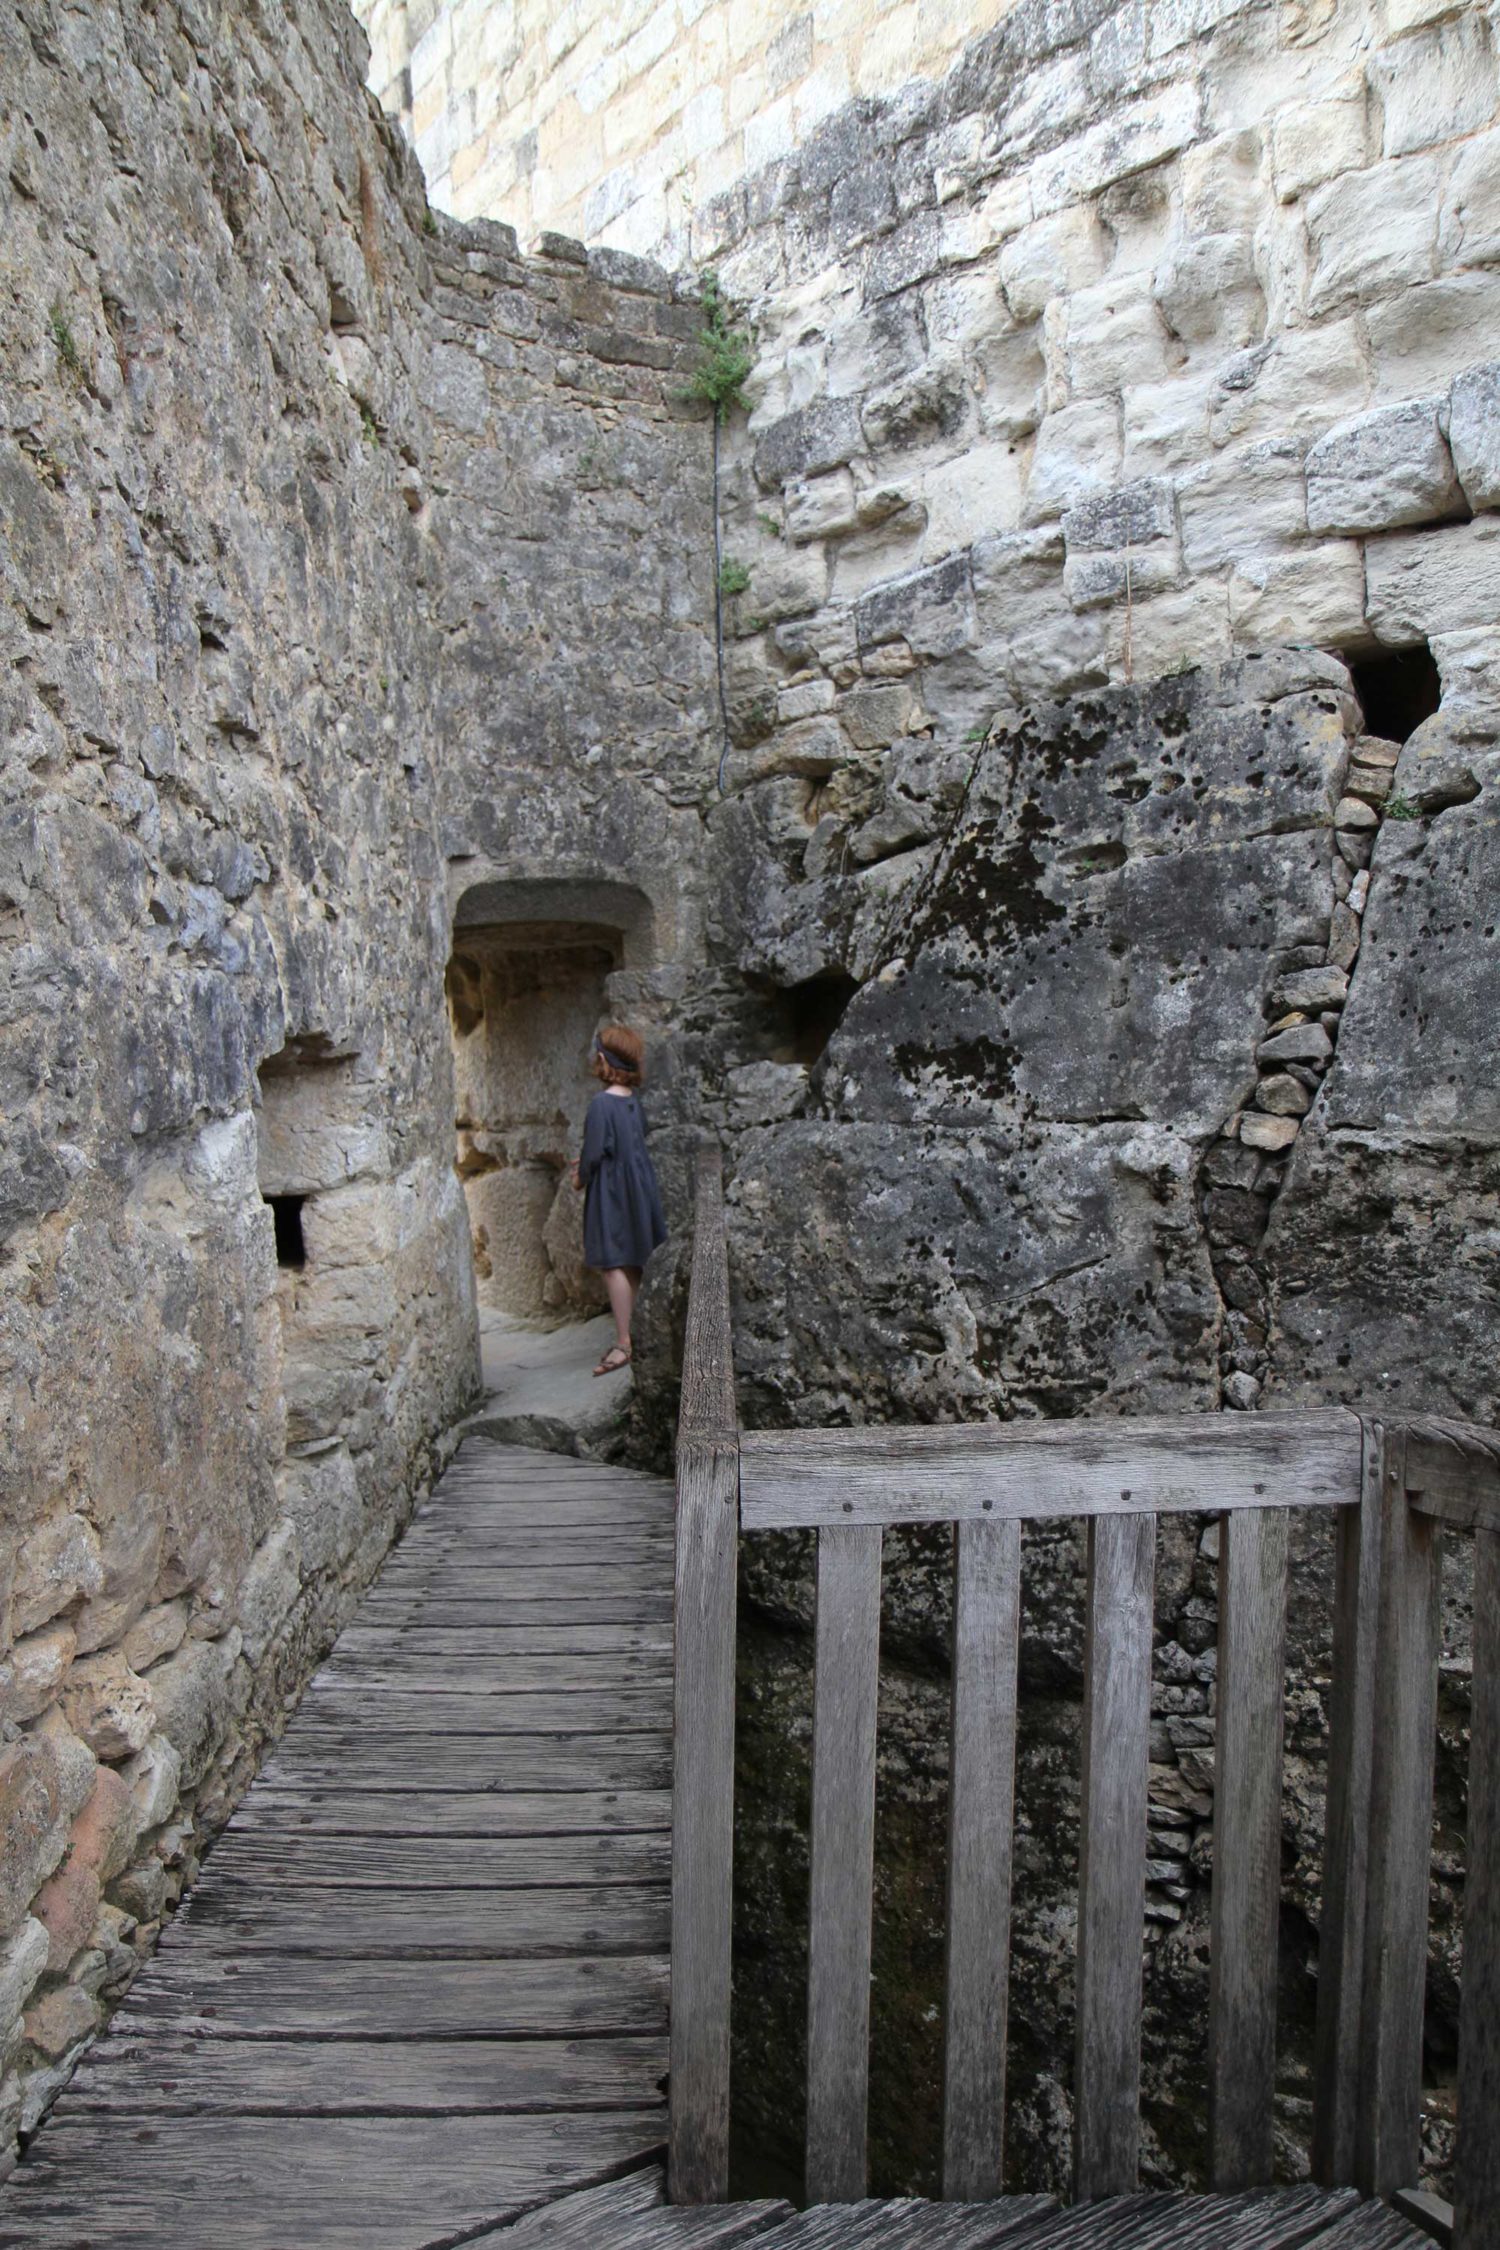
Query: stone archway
column 527, row 985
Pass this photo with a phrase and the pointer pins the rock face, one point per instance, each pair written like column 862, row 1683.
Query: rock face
column 331, row 583
column 1143, row 1100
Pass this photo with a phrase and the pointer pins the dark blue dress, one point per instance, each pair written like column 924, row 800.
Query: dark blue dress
column 622, row 1214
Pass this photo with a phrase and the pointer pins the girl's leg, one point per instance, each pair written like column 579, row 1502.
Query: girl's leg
column 622, row 1282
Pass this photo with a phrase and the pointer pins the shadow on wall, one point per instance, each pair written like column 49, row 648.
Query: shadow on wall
column 526, row 990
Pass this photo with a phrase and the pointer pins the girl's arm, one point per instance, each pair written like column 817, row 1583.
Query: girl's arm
column 595, row 1141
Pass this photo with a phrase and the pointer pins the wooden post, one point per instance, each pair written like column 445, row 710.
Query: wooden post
column 1387, row 2149
column 1253, row 1549
column 845, row 1695
column 1477, row 2182
column 1112, row 1866
column 981, row 1798
column 703, row 1720
column 1341, row 1936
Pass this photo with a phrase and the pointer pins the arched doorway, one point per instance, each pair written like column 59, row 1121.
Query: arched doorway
column 527, row 987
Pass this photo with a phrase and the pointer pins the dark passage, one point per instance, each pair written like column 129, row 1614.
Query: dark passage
column 1397, row 691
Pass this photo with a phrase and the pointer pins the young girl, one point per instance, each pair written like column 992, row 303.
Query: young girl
column 622, row 1214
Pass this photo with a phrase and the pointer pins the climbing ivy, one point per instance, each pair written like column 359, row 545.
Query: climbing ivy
column 734, row 578
column 725, row 357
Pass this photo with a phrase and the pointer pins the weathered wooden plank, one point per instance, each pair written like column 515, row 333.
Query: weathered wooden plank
column 408, row 1923
column 1477, row 2174
column 703, row 1824
column 707, row 1402
column 483, row 1641
column 981, row 1801
column 936, row 1473
column 1388, row 2135
column 587, row 2220
column 577, row 1576
column 270, row 1996
column 1453, row 1472
column 269, row 1810
column 485, row 1863
column 1341, row 1937
column 1253, row 1550
column 845, row 1695
column 324, row 1755
column 417, row 1672
column 545, row 1712
column 564, row 1610
column 1112, row 1866
column 173, row 2074
column 909, row 2224
column 342, row 2183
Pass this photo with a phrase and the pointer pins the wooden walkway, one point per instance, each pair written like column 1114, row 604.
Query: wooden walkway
column 422, row 1982
column 419, row 1996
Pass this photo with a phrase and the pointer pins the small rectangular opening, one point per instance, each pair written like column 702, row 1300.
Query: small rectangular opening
column 286, row 1216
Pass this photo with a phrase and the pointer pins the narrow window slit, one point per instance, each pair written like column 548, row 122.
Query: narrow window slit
column 286, row 1216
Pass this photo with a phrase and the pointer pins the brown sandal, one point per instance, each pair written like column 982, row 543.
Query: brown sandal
column 614, row 1359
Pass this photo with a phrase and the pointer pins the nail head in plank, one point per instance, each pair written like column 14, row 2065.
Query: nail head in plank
column 845, row 1695
column 1244, row 1954
column 981, row 1798
column 936, row 1473
column 1112, row 1869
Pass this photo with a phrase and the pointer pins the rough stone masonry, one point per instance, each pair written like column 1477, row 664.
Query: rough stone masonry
column 347, row 561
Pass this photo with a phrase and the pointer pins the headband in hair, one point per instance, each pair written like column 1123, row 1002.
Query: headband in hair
column 614, row 1058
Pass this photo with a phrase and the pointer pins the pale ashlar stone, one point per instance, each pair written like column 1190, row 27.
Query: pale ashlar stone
column 1373, row 232
column 1171, row 632
column 1222, row 182
column 1293, row 384
column 1137, row 135
column 1077, row 454
column 1474, row 433
column 1052, row 258
column 58, row 1562
column 1091, row 579
column 1386, row 469
column 820, row 507
column 37, row 1667
column 109, row 1706
column 1166, row 424
column 1442, row 580
column 1315, row 595
column 1208, row 292
column 1242, row 504
column 805, row 701
column 1316, row 141
column 1418, row 338
column 1435, row 85
column 1471, row 204
column 1115, row 337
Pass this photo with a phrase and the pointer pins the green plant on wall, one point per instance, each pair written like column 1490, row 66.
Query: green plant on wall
column 60, row 329
column 734, row 578
column 725, row 358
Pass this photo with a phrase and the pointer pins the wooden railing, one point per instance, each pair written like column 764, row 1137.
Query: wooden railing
column 1392, row 1488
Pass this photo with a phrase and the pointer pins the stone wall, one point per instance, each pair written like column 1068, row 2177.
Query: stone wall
column 614, row 123
column 1147, row 336
column 300, row 551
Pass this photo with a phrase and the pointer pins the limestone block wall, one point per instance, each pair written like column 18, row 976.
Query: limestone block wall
column 1146, row 336
column 261, row 415
column 614, row 123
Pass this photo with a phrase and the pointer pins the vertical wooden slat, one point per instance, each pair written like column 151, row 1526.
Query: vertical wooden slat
column 702, row 1820
column 1388, row 2127
column 707, row 1540
column 1346, row 1837
column 1476, row 2201
column 1112, row 1868
column 1253, row 1551
column 845, row 1695
column 986, row 1644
